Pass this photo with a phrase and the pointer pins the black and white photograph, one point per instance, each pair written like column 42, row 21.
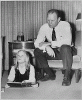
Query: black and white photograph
column 41, row 49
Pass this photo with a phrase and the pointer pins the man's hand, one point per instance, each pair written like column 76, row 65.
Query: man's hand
column 50, row 51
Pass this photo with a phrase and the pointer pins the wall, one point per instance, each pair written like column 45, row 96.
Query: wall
column 28, row 16
column 0, row 46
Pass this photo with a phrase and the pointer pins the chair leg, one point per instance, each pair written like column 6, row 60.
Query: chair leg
column 77, row 75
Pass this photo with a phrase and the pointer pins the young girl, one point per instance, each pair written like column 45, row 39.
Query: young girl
column 23, row 71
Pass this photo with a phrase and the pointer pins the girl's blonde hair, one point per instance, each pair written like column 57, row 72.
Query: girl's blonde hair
column 27, row 59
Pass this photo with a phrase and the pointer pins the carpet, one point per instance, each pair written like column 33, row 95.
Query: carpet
column 46, row 90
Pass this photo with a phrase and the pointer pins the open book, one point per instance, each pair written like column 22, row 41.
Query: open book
column 19, row 84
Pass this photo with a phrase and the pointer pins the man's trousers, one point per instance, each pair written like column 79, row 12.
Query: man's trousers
column 63, row 53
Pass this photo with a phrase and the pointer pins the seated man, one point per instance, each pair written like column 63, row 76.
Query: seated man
column 59, row 36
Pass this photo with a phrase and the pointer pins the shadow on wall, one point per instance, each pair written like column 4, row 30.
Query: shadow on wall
column 62, row 15
column 73, row 33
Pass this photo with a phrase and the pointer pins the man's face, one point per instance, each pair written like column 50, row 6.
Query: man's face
column 52, row 20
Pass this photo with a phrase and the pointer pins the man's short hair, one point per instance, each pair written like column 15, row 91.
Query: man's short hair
column 53, row 11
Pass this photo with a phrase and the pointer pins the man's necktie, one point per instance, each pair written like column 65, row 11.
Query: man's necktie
column 53, row 35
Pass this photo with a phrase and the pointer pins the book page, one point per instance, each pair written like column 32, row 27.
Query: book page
column 15, row 82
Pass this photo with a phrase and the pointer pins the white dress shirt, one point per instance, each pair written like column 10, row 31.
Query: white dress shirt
column 63, row 35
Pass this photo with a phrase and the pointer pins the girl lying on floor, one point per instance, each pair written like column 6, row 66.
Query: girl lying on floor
column 22, row 71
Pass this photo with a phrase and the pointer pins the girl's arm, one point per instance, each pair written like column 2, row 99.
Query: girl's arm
column 31, row 75
column 11, row 74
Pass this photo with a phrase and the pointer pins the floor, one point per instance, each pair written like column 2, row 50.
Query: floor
column 46, row 90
